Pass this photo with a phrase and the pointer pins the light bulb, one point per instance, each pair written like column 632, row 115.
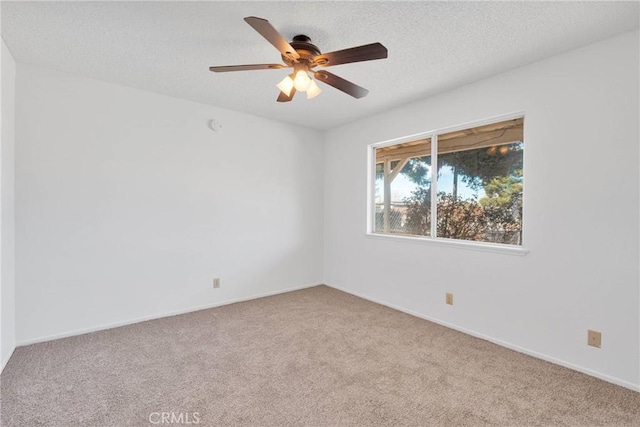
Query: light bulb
column 313, row 90
column 302, row 81
column 286, row 85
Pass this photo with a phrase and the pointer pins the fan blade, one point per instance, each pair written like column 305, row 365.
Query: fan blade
column 272, row 35
column 284, row 98
column 225, row 68
column 341, row 84
column 367, row 52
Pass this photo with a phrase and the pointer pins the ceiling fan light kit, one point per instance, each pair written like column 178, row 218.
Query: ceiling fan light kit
column 303, row 56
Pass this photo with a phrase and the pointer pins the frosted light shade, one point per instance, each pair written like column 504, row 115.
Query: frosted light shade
column 313, row 90
column 301, row 81
column 286, row 85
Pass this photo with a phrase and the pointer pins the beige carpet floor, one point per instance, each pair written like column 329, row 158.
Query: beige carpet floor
column 316, row 357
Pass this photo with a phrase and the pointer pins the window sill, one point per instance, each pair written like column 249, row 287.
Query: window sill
column 451, row 243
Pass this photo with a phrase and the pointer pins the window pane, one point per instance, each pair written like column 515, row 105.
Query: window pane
column 480, row 183
column 403, row 176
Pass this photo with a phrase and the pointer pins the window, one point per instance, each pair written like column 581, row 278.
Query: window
column 476, row 187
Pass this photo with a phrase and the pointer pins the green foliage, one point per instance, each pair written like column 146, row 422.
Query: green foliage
column 476, row 167
column 504, row 221
column 501, row 190
column 418, row 170
column 481, row 166
column 503, row 205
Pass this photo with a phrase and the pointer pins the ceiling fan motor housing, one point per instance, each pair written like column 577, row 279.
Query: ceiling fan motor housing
column 307, row 50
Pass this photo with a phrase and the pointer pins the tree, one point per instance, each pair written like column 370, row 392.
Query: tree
column 478, row 167
column 503, row 208
column 497, row 217
column 460, row 219
column 418, row 219
column 417, row 169
column 464, row 219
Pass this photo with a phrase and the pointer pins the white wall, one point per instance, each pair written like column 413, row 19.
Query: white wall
column 580, row 220
column 128, row 205
column 7, row 223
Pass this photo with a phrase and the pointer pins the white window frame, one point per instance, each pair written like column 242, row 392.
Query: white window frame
column 433, row 239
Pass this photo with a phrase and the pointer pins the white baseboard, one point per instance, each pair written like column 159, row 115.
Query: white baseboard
column 158, row 316
column 599, row 375
column 4, row 362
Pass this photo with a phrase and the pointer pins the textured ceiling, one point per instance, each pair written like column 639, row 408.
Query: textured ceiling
column 167, row 47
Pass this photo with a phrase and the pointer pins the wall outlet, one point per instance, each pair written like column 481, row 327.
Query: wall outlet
column 449, row 298
column 216, row 283
column 594, row 338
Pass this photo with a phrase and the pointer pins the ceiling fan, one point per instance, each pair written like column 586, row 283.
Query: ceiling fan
column 303, row 56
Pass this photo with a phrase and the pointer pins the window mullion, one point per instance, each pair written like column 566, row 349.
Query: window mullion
column 434, row 187
column 387, row 195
